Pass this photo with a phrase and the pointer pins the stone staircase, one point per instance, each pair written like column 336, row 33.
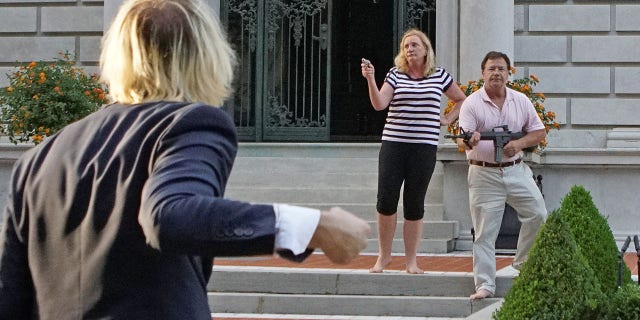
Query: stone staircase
column 260, row 290
column 322, row 175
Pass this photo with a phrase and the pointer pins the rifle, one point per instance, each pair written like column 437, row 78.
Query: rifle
column 500, row 138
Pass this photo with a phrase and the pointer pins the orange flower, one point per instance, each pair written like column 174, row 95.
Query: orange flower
column 534, row 78
column 10, row 89
column 56, row 88
column 35, row 97
column 32, row 65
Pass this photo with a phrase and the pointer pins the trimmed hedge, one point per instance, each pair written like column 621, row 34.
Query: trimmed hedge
column 556, row 282
column 625, row 303
column 594, row 237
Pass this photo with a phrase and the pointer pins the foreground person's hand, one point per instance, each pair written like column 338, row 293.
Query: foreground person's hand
column 340, row 235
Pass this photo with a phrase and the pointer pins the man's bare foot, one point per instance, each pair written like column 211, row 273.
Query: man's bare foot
column 380, row 265
column 414, row 269
column 481, row 294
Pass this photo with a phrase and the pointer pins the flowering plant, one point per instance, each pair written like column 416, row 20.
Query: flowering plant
column 524, row 85
column 42, row 97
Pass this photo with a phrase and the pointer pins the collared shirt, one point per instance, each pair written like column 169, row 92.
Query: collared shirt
column 479, row 113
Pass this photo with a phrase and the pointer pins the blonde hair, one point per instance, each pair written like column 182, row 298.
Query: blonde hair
column 429, row 60
column 171, row 50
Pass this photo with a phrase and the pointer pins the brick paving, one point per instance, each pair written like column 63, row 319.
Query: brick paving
column 451, row 262
column 436, row 263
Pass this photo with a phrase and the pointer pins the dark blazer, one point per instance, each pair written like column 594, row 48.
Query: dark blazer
column 120, row 214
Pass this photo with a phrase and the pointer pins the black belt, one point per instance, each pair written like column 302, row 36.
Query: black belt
column 495, row 165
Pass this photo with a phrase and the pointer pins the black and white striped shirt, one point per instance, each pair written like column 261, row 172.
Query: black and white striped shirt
column 414, row 110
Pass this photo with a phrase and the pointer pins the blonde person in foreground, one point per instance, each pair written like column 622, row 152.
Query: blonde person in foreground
column 120, row 214
column 412, row 90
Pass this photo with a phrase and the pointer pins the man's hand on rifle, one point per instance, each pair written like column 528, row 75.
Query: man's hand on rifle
column 512, row 148
column 468, row 144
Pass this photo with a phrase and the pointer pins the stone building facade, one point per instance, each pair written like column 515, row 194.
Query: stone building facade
column 585, row 52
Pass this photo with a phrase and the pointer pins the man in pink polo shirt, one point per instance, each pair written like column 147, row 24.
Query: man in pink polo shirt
column 492, row 184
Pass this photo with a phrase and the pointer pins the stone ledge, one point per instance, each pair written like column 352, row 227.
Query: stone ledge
column 562, row 156
column 446, row 152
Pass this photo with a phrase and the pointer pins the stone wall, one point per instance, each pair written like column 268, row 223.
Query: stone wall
column 37, row 30
column 587, row 56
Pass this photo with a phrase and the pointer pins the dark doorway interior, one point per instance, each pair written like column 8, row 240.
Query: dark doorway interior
column 361, row 29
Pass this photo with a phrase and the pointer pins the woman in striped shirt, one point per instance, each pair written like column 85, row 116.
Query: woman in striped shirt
column 412, row 90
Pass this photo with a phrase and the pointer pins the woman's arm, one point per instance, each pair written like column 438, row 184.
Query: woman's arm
column 380, row 98
column 455, row 94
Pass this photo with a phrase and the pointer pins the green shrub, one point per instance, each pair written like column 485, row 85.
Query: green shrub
column 594, row 237
column 42, row 97
column 625, row 303
column 556, row 282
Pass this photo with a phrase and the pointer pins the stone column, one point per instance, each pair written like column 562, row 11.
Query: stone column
column 447, row 36
column 484, row 26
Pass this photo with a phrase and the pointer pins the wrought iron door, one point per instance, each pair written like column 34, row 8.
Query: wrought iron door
column 282, row 85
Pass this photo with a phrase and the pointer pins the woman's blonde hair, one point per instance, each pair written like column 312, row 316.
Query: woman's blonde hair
column 172, row 50
column 429, row 60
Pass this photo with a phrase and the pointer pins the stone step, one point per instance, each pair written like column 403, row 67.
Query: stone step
column 433, row 212
column 302, row 172
column 326, row 175
column 234, row 289
column 432, row 229
column 424, row 246
column 268, row 165
column 328, row 305
column 296, row 195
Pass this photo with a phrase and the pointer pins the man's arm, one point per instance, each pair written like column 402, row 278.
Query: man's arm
column 299, row 230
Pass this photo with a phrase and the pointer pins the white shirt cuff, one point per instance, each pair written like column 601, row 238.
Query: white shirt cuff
column 295, row 227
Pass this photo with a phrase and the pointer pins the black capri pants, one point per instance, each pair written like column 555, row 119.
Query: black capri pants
column 408, row 163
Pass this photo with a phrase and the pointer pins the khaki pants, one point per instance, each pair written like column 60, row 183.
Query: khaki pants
column 489, row 190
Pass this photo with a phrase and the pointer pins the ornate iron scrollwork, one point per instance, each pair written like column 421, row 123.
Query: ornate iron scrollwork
column 248, row 12
column 416, row 10
column 323, row 36
column 297, row 11
column 280, row 116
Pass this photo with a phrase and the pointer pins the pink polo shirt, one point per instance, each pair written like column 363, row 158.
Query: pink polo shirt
column 479, row 113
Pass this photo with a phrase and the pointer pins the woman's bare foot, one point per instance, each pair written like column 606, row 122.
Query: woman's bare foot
column 413, row 269
column 381, row 263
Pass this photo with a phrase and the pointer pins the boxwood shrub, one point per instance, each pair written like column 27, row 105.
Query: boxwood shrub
column 625, row 303
column 556, row 282
column 594, row 238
